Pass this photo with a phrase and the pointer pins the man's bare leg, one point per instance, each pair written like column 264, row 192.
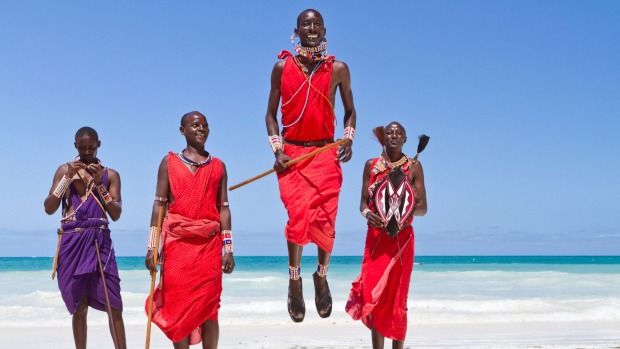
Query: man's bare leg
column 397, row 344
column 295, row 286
column 294, row 254
column 119, row 326
column 79, row 324
column 377, row 339
column 323, row 256
column 210, row 334
column 182, row 344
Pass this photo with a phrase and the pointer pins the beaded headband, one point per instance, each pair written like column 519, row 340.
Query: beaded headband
column 317, row 53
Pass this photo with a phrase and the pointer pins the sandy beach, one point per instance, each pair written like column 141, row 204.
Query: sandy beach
column 330, row 334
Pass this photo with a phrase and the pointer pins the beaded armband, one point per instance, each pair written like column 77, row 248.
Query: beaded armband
column 227, row 241
column 62, row 186
column 152, row 238
column 105, row 195
column 161, row 199
column 275, row 142
column 349, row 133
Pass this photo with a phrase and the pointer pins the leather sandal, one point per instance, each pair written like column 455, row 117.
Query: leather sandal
column 296, row 305
column 323, row 302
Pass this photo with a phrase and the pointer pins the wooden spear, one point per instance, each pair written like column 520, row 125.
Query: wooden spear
column 107, row 297
column 160, row 220
column 290, row 163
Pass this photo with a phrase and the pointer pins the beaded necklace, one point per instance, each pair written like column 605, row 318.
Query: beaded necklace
column 317, row 53
column 384, row 164
column 191, row 162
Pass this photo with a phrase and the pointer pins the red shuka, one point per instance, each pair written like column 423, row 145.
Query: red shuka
column 191, row 283
column 307, row 112
column 309, row 189
column 379, row 294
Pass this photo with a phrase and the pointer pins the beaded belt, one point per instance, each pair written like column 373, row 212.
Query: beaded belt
column 320, row 143
column 94, row 224
column 79, row 230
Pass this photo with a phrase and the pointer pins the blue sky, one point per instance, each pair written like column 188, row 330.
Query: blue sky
column 521, row 100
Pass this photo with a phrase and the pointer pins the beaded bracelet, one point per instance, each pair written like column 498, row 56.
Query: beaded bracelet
column 161, row 199
column 365, row 212
column 275, row 142
column 62, row 186
column 152, row 238
column 227, row 241
column 349, row 132
column 105, row 195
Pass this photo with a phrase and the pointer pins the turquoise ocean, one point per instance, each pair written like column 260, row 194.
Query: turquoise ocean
column 444, row 289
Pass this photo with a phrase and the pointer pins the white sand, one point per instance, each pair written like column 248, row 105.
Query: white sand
column 328, row 334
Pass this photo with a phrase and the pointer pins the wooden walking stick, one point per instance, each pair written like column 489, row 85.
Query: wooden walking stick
column 289, row 163
column 55, row 260
column 107, row 297
column 160, row 220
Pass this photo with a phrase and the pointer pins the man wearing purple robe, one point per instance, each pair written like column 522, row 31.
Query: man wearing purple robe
column 88, row 193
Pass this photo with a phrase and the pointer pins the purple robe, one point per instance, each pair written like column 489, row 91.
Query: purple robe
column 78, row 269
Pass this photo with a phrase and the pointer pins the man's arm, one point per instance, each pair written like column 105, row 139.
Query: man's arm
column 346, row 95
column 228, row 261
column 162, row 191
column 271, row 120
column 418, row 182
column 114, row 208
column 64, row 173
column 373, row 219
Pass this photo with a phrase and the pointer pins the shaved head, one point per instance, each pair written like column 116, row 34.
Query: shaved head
column 396, row 123
column 306, row 11
column 86, row 131
column 186, row 116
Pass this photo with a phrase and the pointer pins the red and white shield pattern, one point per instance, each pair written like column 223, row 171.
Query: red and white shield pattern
column 395, row 203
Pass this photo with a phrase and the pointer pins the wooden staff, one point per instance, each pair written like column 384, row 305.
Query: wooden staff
column 290, row 163
column 55, row 261
column 160, row 220
column 107, row 297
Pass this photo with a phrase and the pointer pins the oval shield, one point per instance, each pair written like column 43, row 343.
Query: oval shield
column 394, row 200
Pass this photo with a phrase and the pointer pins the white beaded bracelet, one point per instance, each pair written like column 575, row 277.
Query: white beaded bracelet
column 275, row 142
column 152, row 238
column 349, row 132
